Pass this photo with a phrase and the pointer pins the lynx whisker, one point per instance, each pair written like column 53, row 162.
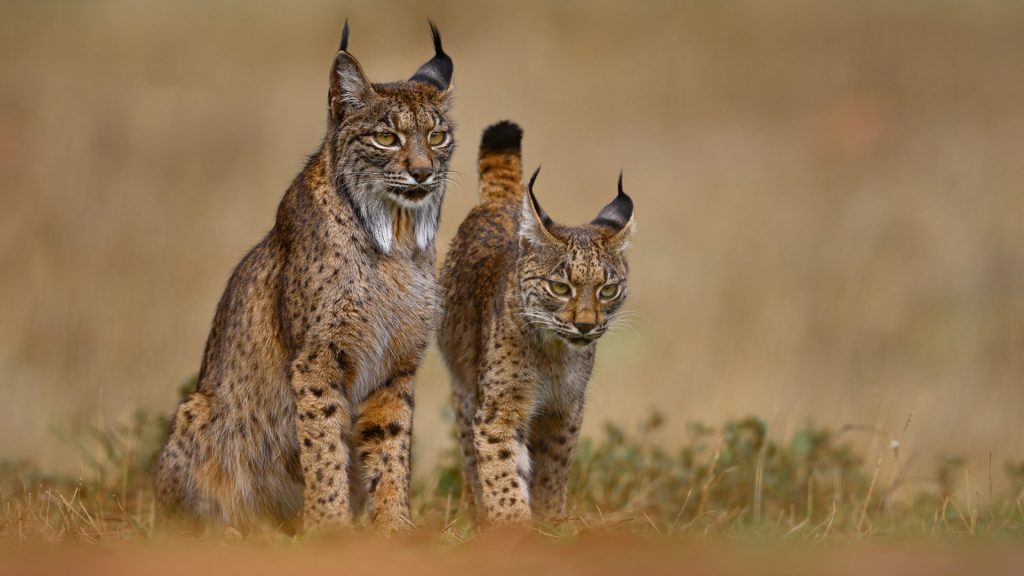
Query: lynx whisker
column 616, row 325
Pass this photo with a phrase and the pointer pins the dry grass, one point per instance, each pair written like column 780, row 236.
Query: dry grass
column 733, row 481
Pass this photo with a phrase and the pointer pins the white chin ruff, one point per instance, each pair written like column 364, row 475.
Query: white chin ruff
column 377, row 208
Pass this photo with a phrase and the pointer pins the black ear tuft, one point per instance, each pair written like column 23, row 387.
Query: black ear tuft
column 344, row 38
column 436, row 37
column 504, row 135
column 438, row 70
column 617, row 214
column 545, row 220
column 533, row 178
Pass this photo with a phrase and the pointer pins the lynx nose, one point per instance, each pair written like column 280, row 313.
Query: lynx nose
column 583, row 327
column 420, row 174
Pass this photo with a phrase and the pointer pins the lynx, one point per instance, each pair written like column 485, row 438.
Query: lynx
column 525, row 300
column 303, row 410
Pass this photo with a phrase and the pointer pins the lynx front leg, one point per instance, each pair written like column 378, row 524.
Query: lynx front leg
column 321, row 422
column 552, row 443
column 499, row 435
column 384, row 434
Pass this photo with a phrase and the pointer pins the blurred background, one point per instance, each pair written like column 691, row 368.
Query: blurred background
column 830, row 197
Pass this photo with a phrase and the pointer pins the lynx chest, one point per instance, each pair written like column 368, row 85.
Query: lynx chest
column 392, row 318
column 562, row 375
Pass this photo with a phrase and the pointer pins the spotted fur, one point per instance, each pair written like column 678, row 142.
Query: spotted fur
column 519, row 353
column 304, row 404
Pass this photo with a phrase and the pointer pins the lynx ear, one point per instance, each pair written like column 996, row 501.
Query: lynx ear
column 438, row 70
column 617, row 218
column 349, row 85
column 536, row 224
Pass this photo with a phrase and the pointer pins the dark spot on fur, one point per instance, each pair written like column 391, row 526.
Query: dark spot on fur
column 373, row 433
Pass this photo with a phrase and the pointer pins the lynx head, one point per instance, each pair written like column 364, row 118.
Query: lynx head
column 390, row 144
column 573, row 279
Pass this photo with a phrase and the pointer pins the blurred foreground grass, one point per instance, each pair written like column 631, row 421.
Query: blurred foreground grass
column 731, row 481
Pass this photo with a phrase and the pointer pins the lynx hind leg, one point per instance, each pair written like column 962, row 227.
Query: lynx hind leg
column 464, row 407
column 383, row 435
column 552, row 443
column 182, row 501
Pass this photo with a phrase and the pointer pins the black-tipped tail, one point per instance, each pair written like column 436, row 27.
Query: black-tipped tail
column 500, row 163
column 502, row 136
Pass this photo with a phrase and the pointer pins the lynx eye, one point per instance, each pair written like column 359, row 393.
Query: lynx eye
column 609, row 291
column 437, row 138
column 559, row 288
column 385, row 139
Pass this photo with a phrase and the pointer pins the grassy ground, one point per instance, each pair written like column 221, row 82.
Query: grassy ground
column 729, row 501
column 725, row 481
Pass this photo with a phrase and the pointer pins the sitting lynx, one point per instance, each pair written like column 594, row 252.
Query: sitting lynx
column 304, row 402
column 525, row 300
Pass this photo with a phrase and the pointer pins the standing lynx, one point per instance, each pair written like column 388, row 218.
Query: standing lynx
column 304, row 404
column 525, row 300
